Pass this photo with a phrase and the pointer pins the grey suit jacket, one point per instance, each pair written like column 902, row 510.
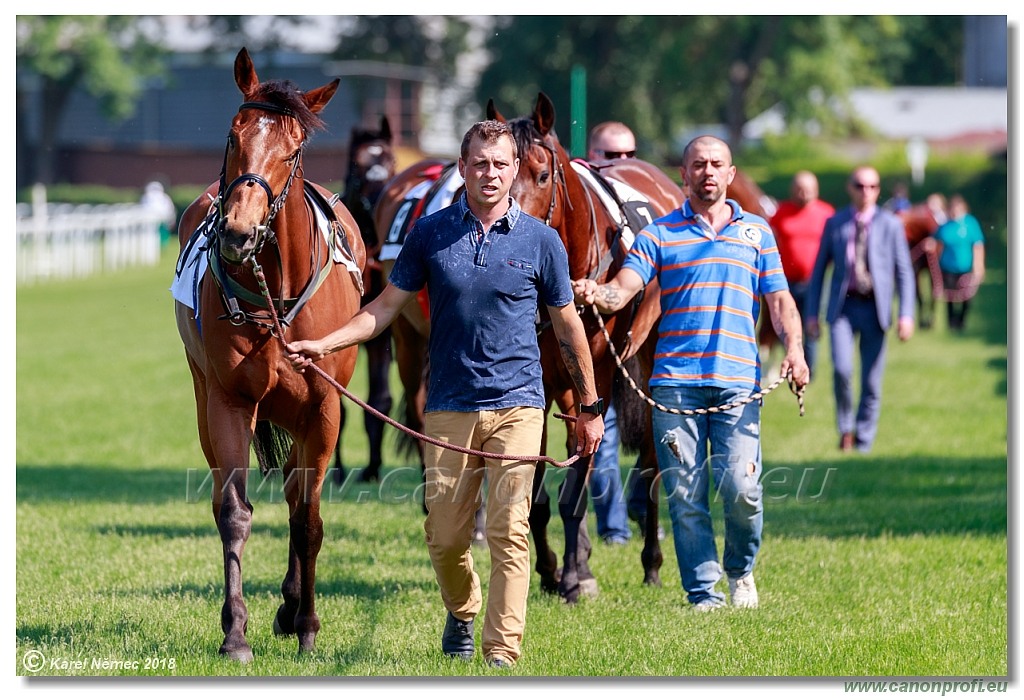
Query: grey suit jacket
column 888, row 261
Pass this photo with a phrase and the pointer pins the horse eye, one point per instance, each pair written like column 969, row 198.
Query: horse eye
column 544, row 177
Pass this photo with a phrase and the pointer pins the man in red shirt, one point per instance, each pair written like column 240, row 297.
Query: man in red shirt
column 798, row 224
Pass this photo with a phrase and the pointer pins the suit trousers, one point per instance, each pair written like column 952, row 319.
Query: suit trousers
column 454, row 483
column 858, row 318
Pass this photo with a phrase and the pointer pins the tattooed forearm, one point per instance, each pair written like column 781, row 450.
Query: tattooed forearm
column 608, row 298
column 573, row 364
column 789, row 328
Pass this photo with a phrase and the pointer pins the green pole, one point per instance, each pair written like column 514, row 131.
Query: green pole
column 578, row 112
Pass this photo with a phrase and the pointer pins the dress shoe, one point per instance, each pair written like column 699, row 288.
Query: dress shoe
column 457, row 640
column 846, row 442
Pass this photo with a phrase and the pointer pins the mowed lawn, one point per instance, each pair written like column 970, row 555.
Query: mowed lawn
column 886, row 565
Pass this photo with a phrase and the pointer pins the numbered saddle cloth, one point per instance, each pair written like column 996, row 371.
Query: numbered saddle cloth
column 431, row 195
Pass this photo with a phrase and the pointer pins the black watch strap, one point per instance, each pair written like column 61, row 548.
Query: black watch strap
column 597, row 408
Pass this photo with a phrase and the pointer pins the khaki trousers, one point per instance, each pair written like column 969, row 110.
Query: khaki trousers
column 452, row 495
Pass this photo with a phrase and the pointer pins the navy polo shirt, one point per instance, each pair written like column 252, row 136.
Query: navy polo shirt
column 484, row 294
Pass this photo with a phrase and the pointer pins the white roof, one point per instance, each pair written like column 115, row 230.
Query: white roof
column 931, row 113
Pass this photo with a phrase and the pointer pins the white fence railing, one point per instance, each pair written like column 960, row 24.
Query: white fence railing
column 60, row 240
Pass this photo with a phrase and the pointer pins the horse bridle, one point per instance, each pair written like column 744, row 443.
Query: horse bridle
column 356, row 182
column 559, row 175
column 275, row 202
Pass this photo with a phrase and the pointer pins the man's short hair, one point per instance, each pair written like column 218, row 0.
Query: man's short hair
column 488, row 131
column 606, row 128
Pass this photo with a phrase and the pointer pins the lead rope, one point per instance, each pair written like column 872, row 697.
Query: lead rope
column 756, row 396
column 278, row 331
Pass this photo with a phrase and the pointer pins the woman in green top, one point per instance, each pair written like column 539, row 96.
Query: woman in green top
column 960, row 246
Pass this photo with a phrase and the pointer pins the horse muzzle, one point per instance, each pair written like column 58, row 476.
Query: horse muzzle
column 237, row 246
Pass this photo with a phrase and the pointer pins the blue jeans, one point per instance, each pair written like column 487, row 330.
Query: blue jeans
column 693, row 448
column 606, row 483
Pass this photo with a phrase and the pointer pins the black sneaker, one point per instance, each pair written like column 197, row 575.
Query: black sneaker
column 457, row 640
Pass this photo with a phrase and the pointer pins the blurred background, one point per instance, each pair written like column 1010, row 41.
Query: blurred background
column 107, row 105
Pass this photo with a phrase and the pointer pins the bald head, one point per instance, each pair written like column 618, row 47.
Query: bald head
column 707, row 142
column 804, row 188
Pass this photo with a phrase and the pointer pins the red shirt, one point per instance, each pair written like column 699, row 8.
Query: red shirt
column 798, row 232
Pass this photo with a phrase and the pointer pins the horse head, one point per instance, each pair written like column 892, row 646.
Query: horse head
column 263, row 155
column 547, row 187
column 371, row 164
column 542, row 161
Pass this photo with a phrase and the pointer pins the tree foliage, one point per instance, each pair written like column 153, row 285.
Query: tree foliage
column 666, row 74
column 107, row 56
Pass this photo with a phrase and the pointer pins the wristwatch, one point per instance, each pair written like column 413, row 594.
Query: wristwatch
column 597, row 408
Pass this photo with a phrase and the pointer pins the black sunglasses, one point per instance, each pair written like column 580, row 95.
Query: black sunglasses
column 615, row 155
column 866, row 185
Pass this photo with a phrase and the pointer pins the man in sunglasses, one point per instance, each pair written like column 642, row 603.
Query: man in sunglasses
column 867, row 248
column 611, row 141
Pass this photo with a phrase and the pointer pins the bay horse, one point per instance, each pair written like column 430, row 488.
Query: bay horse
column 371, row 164
column 262, row 224
column 550, row 187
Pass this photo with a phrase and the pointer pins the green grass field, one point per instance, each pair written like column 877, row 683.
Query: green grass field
column 887, row 565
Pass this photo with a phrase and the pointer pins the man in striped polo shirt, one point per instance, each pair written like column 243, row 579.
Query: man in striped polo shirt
column 713, row 262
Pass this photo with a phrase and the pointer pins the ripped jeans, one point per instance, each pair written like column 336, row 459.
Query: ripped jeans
column 693, row 448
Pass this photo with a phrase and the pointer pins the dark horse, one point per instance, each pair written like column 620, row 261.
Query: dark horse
column 371, row 164
column 262, row 216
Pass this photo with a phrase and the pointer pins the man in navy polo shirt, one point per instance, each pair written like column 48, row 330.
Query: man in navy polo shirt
column 487, row 266
column 714, row 262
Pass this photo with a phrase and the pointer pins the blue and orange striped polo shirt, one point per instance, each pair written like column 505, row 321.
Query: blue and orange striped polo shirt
column 711, row 285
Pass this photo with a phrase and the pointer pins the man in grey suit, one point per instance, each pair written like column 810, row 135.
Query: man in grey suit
column 867, row 248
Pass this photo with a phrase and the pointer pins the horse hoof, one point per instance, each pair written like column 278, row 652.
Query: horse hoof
column 589, row 588
column 652, row 580
column 368, row 476
column 283, row 630
column 307, row 642
column 241, row 653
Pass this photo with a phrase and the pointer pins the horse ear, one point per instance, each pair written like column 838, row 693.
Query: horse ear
column 317, row 99
column 544, row 114
column 245, row 73
column 385, row 129
column 493, row 113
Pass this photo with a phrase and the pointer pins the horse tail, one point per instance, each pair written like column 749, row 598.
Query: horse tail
column 630, row 409
column 406, row 445
column 272, row 445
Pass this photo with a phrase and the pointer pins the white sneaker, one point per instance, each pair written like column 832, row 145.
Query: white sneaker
column 743, row 591
column 709, row 604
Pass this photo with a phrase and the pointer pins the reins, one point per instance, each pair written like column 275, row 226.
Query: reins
column 756, row 396
column 279, row 332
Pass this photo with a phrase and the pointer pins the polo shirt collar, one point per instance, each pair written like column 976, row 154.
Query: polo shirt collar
column 503, row 225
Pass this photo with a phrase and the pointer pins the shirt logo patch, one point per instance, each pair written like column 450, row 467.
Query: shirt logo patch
column 750, row 234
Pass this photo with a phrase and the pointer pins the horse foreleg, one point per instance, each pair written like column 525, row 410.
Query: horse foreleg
column 306, row 534
column 230, row 439
column 650, row 557
column 284, row 620
column 339, row 466
column 572, row 506
column 378, row 357
column 540, row 516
